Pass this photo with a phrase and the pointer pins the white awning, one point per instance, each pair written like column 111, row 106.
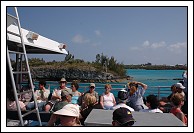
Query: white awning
column 42, row 45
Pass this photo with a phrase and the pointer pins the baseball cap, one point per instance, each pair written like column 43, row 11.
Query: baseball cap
column 179, row 85
column 92, row 84
column 69, row 110
column 122, row 94
column 66, row 92
column 123, row 116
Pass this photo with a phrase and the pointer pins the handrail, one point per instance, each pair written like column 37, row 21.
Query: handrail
column 117, row 88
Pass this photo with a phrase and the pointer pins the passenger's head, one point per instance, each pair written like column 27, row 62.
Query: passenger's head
column 122, row 95
column 132, row 86
column 63, row 82
column 92, row 87
column 107, row 88
column 68, row 115
column 177, row 99
column 122, row 117
column 42, row 83
column 66, row 95
column 74, row 86
column 179, row 87
column 89, row 99
column 152, row 101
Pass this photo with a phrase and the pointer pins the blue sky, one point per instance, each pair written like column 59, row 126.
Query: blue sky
column 132, row 35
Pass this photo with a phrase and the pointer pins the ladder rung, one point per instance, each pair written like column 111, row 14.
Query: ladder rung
column 10, row 32
column 31, row 111
column 15, row 52
column 20, row 72
column 12, row 16
column 23, row 92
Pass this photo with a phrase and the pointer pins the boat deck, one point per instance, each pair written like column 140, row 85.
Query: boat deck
column 100, row 117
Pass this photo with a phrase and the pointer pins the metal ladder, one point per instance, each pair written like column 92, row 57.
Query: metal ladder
column 14, row 75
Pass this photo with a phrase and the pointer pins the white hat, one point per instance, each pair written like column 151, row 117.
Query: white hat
column 179, row 85
column 92, row 84
column 69, row 110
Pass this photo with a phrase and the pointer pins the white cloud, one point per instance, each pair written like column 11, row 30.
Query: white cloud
column 178, row 47
column 158, row 45
column 80, row 39
column 97, row 32
column 146, row 44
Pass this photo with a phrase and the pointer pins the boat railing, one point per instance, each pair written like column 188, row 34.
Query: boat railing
column 160, row 91
column 157, row 90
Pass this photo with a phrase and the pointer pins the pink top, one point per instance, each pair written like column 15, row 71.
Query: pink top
column 11, row 105
column 177, row 110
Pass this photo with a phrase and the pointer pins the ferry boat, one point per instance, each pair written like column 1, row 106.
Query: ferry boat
column 37, row 44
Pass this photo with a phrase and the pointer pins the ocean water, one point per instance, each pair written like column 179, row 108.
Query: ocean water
column 155, row 79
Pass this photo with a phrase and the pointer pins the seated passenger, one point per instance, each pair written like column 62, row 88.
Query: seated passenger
column 68, row 116
column 90, row 91
column 27, row 97
column 152, row 104
column 89, row 103
column 41, row 96
column 122, row 99
column 11, row 102
column 56, row 95
column 180, row 89
column 75, row 93
column 107, row 100
column 66, row 96
column 122, row 117
column 135, row 95
column 165, row 105
column 178, row 101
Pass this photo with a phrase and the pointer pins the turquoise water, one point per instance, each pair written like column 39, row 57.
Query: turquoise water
column 150, row 77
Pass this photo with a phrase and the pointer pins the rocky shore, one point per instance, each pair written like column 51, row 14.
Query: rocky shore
column 71, row 74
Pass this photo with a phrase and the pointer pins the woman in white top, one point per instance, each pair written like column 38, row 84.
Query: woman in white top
column 107, row 100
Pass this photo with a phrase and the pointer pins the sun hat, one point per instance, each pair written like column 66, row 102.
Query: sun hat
column 63, row 80
column 66, row 92
column 122, row 94
column 69, row 110
column 92, row 84
column 123, row 115
column 179, row 85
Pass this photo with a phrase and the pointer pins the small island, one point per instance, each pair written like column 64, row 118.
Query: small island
column 102, row 70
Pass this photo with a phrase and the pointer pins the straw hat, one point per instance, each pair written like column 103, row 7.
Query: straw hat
column 69, row 110
column 63, row 80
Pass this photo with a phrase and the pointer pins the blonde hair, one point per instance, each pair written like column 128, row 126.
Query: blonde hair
column 107, row 86
column 89, row 99
column 177, row 98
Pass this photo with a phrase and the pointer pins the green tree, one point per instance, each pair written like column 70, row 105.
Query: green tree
column 97, row 58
